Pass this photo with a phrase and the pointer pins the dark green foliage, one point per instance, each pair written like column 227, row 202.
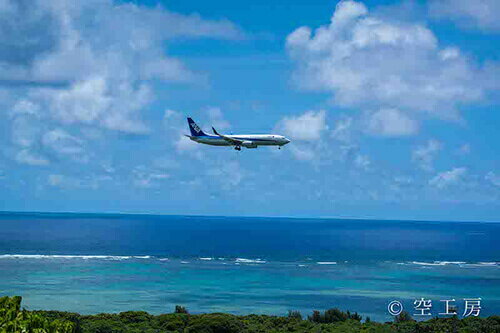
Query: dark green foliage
column 316, row 317
column 180, row 309
column 175, row 322
column 132, row 317
column 215, row 323
column 354, row 316
column 13, row 319
column 402, row 317
column 333, row 316
column 295, row 314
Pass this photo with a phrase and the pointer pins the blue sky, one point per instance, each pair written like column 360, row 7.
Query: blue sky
column 391, row 107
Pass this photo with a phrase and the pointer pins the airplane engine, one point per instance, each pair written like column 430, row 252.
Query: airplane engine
column 249, row 144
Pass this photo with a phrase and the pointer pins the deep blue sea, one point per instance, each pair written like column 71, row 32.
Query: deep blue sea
column 91, row 263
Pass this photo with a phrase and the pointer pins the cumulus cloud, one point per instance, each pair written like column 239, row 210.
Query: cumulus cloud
column 362, row 161
column 66, row 41
column 477, row 14
column 62, row 142
column 25, row 33
column 303, row 152
column 424, row 155
column 145, row 177
column 306, row 127
column 176, row 129
column 447, row 178
column 24, row 131
column 96, row 101
column 342, row 130
column 374, row 63
column 74, row 64
column 217, row 119
column 391, row 122
column 25, row 156
column 306, row 132
column 184, row 144
column 493, row 178
column 61, row 181
column 228, row 173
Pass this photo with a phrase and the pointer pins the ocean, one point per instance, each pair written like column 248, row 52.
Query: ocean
column 92, row 263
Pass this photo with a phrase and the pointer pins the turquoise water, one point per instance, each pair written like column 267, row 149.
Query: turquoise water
column 113, row 263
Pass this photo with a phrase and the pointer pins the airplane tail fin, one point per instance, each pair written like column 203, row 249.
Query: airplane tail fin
column 195, row 129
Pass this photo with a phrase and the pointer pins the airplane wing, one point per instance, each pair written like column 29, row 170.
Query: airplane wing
column 232, row 141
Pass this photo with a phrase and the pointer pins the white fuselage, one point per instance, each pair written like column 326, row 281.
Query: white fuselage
column 248, row 140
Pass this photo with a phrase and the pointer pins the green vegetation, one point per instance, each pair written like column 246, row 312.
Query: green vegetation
column 13, row 319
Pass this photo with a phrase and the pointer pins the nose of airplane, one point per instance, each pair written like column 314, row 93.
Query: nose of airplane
column 286, row 141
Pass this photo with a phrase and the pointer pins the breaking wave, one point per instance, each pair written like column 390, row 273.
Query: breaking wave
column 327, row 263
column 63, row 256
column 243, row 261
column 455, row 263
column 249, row 261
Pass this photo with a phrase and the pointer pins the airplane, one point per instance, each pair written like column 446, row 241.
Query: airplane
column 238, row 141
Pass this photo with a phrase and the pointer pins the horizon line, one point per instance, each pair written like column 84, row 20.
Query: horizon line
column 4, row 212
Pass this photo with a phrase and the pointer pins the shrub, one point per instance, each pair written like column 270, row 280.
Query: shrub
column 130, row 317
column 172, row 321
column 180, row 309
column 215, row 323
column 403, row 317
column 294, row 315
column 333, row 316
column 13, row 319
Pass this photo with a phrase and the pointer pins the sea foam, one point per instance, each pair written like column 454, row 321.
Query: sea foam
column 69, row 256
column 249, row 261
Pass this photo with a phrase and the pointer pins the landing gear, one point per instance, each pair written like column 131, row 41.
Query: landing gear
column 238, row 148
column 279, row 147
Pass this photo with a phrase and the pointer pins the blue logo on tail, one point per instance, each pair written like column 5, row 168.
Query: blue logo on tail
column 194, row 128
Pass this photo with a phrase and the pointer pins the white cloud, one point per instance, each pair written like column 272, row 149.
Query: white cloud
column 493, row 178
column 424, row 155
column 449, row 53
column 362, row 161
column 342, row 130
column 183, row 143
column 25, row 107
column 391, row 122
column 306, row 127
column 303, row 152
column 176, row 128
column 228, row 173
column 24, row 130
column 477, row 14
column 62, row 142
column 447, row 178
column 169, row 114
column 98, row 102
column 76, row 64
column 68, row 182
column 217, row 119
column 70, row 40
column 373, row 63
column 28, row 157
column 145, row 177
column 305, row 131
